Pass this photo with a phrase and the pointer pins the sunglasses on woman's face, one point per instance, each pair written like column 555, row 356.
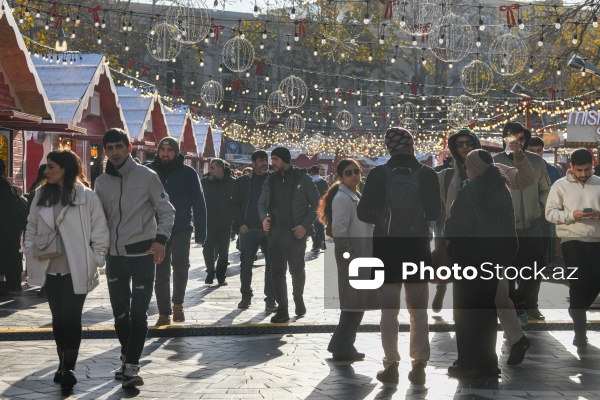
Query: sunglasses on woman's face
column 349, row 172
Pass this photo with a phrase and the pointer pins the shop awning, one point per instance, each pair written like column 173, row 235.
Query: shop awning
column 17, row 120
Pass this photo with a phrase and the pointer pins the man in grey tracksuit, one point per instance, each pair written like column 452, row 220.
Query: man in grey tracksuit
column 287, row 208
column 132, row 195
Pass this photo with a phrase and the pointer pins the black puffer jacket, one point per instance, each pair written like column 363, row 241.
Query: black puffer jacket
column 217, row 193
column 482, row 225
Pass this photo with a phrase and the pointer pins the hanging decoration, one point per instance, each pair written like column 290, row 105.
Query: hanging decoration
column 508, row 55
column 407, row 111
column 234, row 131
column 276, row 102
column 161, row 42
column 417, row 17
column 192, row 19
column 314, row 144
column 451, row 39
column 476, row 78
column 238, row 54
column 462, row 112
column 295, row 124
column 344, row 120
column 410, row 125
column 338, row 44
column 261, row 115
column 212, row 93
column 294, row 90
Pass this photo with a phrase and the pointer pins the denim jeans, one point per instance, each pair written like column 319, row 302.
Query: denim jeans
column 130, row 307
column 249, row 243
column 177, row 254
column 286, row 249
column 66, row 308
column 217, row 247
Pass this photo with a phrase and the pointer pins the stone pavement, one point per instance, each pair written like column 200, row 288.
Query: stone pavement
column 216, row 306
column 297, row 367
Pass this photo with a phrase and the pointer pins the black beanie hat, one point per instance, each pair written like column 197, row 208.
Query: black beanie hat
column 282, row 153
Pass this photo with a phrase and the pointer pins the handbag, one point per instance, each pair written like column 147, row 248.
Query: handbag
column 48, row 245
column 441, row 257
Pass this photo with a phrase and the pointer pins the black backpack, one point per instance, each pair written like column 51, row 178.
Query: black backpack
column 403, row 215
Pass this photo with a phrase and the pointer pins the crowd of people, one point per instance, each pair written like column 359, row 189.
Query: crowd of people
column 139, row 220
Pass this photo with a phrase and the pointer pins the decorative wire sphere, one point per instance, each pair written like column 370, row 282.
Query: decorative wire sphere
column 295, row 91
column 314, row 144
column 507, row 55
column 276, row 102
column 162, row 45
column 261, row 115
column 468, row 102
column 234, row 131
column 410, row 125
column 344, row 120
column 476, row 78
column 238, row 54
column 407, row 110
column 295, row 124
column 416, row 17
column 212, row 93
column 461, row 114
column 451, row 38
column 192, row 19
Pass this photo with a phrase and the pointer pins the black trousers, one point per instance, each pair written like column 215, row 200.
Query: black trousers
column 476, row 323
column 66, row 308
column 525, row 292
column 344, row 336
column 585, row 288
column 216, row 247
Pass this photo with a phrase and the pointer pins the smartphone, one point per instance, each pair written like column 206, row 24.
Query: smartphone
column 587, row 210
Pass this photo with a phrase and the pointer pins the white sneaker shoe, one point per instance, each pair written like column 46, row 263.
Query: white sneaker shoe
column 131, row 377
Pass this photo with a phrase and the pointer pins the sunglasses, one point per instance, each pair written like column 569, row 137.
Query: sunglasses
column 349, row 172
column 464, row 143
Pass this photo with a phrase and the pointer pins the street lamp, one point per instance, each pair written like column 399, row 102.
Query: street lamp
column 61, row 41
column 579, row 63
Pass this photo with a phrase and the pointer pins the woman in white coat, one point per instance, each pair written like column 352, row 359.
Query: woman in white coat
column 352, row 238
column 64, row 204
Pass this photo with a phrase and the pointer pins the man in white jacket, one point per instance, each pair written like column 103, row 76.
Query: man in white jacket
column 573, row 205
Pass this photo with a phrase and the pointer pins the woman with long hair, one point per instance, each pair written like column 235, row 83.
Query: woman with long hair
column 68, row 214
column 481, row 230
column 352, row 239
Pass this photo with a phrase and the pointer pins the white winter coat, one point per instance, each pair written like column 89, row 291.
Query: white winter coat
column 84, row 233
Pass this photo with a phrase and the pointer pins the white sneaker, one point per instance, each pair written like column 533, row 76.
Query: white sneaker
column 131, row 377
column 119, row 372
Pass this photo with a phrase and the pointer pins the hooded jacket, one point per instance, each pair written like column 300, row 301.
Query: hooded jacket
column 131, row 196
column 528, row 202
column 217, row 193
column 519, row 177
column 185, row 194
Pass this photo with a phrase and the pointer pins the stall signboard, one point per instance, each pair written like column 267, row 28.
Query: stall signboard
column 583, row 126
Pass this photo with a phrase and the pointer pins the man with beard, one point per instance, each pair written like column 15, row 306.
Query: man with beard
column 185, row 193
column 244, row 206
column 287, row 208
column 573, row 205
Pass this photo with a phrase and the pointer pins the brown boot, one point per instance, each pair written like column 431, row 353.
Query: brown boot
column 178, row 315
column 163, row 320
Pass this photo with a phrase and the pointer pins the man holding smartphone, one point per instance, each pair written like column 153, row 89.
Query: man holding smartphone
column 573, row 205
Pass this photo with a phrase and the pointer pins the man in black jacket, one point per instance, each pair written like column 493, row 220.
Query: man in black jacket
column 287, row 208
column 185, row 193
column 319, row 236
column 218, row 187
column 244, row 206
column 393, row 250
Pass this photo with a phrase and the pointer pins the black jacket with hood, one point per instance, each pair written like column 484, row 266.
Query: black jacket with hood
column 217, row 193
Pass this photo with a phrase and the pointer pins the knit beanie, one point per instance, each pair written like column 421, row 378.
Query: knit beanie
column 282, row 153
column 171, row 142
column 476, row 164
column 399, row 141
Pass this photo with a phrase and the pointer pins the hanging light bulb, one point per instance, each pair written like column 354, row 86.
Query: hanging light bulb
column 583, row 72
column 262, row 45
column 157, row 77
column 99, row 39
column 481, row 25
column 293, row 13
column 288, row 47
column 557, row 24
column 574, row 41
column 478, row 42
column 441, row 39
column 220, row 67
column 521, row 24
column 370, row 57
column 264, row 34
column 450, row 65
column 255, row 11
column 382, row 39
column 531, row 68
column 126, row 46
column 414, row 40
column 267, row 79
column 541, row 41
column 423, row 61
column 323, row 40
column 77, row 19
column 73, row 34
column 315, row 53
column 393, row 60
column 296, row 37
column 558, row 71
column 595, row 21
column 215, row 5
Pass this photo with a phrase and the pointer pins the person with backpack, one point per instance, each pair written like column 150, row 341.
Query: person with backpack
column 352, row 238
column 399, row 198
